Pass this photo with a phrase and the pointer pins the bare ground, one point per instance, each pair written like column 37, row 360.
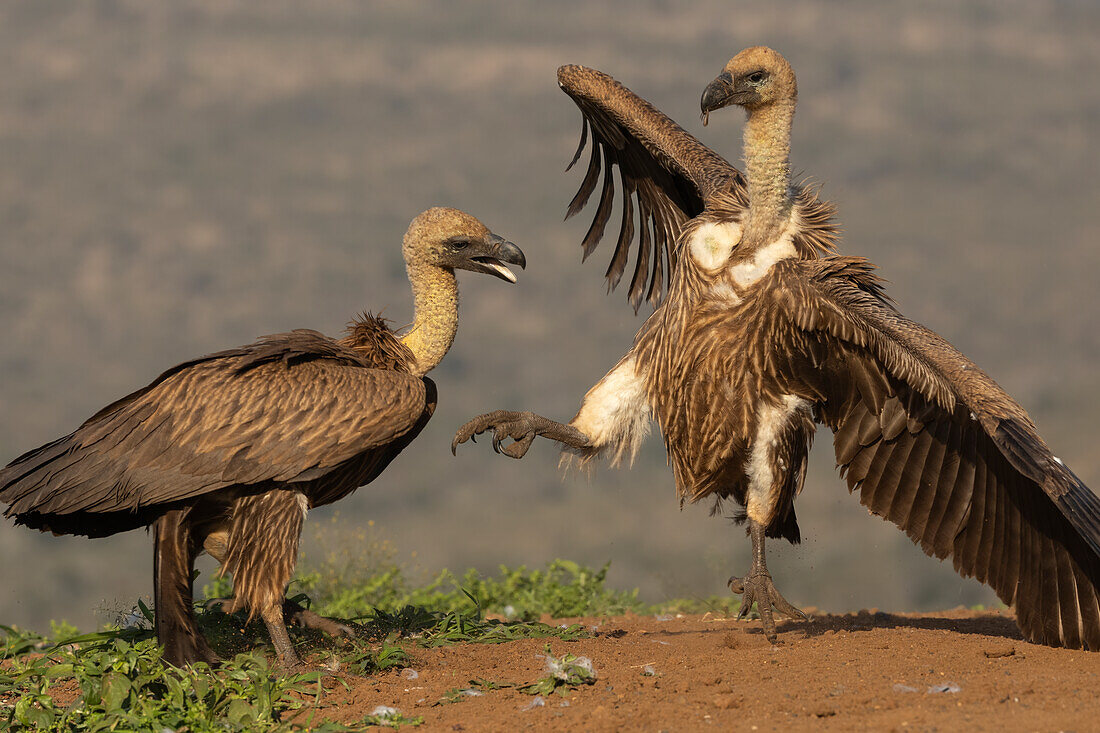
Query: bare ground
column 955, row 670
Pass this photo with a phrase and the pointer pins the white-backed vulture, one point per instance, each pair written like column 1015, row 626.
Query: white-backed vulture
column 227, row 452
column 765, row 332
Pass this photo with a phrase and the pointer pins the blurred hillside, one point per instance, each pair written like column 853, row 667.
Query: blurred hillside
column 180, row 178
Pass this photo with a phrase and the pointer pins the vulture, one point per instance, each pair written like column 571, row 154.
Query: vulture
column 226, row 453
column 764, row 332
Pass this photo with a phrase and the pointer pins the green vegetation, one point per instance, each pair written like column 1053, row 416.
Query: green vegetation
column 562, row 590
column 114, row 679
column 565, row 673
column 120, row 684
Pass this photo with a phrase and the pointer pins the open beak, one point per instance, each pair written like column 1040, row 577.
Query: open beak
column 718, row 94
column 498, row 251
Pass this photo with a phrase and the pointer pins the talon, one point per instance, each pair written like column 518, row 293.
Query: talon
column 758, row 587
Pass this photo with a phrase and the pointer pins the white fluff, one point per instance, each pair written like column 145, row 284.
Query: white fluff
column 747, row 272
column 711, row 244
column 615, row 413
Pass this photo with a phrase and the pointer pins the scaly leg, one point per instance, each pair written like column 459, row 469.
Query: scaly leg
column 522, row 427
column 757, row 587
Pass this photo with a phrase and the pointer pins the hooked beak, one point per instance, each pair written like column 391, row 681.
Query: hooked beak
column 499, row 251
column 718, row 94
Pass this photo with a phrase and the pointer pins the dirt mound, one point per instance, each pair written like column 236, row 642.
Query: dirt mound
column 956, row 670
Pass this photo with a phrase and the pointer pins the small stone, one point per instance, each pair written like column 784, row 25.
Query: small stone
column 726, row 702
column 409, row 673
column 999, row 652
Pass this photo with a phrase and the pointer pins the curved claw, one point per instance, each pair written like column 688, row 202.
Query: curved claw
column 758, row 588
column 505, row 425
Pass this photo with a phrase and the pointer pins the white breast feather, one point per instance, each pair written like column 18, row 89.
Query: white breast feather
column 711, row 244
column 615, row 414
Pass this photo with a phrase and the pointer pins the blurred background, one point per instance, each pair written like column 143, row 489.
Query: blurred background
column 180, row 178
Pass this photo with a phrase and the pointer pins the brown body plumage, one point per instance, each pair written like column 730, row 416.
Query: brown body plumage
column 765, row 332
column 226, row 453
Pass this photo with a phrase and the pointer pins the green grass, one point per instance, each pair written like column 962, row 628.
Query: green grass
column 114, row 679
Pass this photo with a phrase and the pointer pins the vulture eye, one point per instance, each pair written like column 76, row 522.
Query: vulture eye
column 757, row 77
column 458, row 243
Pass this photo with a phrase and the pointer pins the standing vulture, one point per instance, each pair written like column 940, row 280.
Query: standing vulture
column 764, row 332
column 227, row 452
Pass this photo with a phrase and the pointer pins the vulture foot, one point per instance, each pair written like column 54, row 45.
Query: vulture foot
column 299, row 616
column 521, row 427
column 758, row 587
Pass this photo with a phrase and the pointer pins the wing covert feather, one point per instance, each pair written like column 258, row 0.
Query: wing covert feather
column 933, row 444
column 210, row 424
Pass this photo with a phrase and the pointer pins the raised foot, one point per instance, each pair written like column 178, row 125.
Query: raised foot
column 757, row 587
column 521, row 427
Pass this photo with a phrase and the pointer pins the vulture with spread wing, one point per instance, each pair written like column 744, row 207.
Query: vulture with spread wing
column 226, row 453
column 764, row 331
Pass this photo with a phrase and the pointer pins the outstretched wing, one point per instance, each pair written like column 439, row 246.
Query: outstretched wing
column 662, row 168
column 934, row 445
column 287, row 408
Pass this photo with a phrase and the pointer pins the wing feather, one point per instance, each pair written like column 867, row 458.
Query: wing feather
column 664, row 168
column 936, row 446
column 256, row 414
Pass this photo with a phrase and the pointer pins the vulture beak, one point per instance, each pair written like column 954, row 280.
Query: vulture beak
column 718, row 94
column 489, row 257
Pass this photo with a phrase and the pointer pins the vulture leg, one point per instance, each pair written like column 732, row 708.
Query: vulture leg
column 522, row 427
column 272, row 614
column 216, row 545
column 176, row 547
column 260, row 552
column 757, row 586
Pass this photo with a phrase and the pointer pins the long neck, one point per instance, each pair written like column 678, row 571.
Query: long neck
column 435, row 294
column 767, row 140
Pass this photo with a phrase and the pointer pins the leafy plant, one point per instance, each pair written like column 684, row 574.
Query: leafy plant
column 124, row 686
column 566, row 673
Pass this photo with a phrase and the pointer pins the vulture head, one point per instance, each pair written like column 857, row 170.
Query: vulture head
column 454, row 240
column 755, row 78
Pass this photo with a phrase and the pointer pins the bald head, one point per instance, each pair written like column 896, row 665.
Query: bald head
column 755, row 78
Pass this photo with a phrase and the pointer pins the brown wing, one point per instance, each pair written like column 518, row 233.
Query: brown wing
column 663, row 168
column 937, row 447
column 285, row 409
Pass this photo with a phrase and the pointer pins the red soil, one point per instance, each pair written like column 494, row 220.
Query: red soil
column 956, row 670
